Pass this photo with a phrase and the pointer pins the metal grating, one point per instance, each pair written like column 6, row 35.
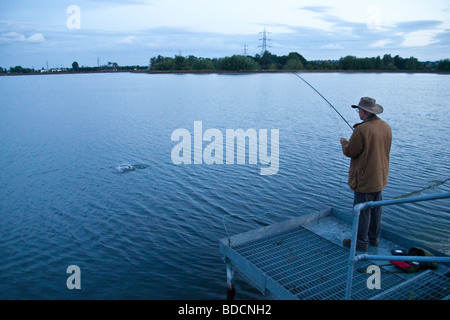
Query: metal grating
column 309, row 266
column 426, row 286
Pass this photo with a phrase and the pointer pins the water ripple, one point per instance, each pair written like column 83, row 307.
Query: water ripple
column 90, row 181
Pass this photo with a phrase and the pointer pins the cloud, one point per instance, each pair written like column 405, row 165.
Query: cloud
column 419, row 25
column 203, row 16
column 36, row 38
column 318, row 9
column 17, row 37
column 131, row 31
column 420, row 38
column 333, row 46
column 13, row 37
column 380, row 44
column 129, row 40
column 420, row 33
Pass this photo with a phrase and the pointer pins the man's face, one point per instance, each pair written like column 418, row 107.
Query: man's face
column 363, row 115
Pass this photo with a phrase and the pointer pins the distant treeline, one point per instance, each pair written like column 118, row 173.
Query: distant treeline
column 266, row 62
column 294, row 62
column 111, row 67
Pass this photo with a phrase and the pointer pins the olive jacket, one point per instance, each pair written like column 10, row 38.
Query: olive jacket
column 369, row 148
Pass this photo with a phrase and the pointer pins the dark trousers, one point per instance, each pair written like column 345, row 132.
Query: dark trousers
column 369, row 220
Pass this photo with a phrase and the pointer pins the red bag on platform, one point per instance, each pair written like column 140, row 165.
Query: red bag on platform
column 408, row 268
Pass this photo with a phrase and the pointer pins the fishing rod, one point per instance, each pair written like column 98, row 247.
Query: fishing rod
column 325, row 100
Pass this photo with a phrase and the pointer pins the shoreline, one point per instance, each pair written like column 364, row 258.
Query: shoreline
column 220, row 72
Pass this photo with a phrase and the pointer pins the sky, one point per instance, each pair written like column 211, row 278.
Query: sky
column 34, row 34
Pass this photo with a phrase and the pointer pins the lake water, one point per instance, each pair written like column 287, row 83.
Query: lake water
column 153, row 233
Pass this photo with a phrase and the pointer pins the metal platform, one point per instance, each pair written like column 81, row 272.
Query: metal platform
column 292, row 260
column 428, row 285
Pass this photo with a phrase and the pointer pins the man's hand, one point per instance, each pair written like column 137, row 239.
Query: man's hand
column 343, row 140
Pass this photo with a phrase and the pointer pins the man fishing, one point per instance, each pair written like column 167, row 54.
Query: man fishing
column 368, row 148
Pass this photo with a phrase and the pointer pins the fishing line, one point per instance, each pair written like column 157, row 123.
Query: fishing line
column 224, row 216
column 325, row 100
column 435, row 184
column 340, row 180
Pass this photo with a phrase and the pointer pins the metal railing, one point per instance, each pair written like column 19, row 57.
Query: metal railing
column 355, row 258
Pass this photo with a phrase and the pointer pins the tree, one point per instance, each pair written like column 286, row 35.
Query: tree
column 113, row 65
column 444, row 65
column 155, row 60
column 388, row 62
column 268, row 61
column 297, row 56
column 293, row 61
column 181, row 63
column 19, row 69
column 348, row 63
column 327, row 65
column 399, row 62
column 293, row 64
column 164, row 64
column 237, row 63
column 378, row 63
column 411, row 64
column 75, row 66
column 203, row 64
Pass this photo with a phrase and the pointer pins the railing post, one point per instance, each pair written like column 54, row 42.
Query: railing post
column 351, row 260
column 230, row 280
column 356, row 213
